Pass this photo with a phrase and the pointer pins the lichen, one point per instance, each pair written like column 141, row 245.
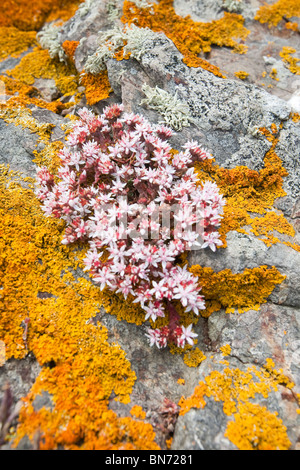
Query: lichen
column 97, row 87
column 252, row 426
column 194, row 357
column 31, row 16
column 38, row 284
column 13, row 41
column 242, row 291
column 175, row 112
column 191, row 38
column 273, row 14
column 241, row 74
column 249, row 192
column 48, row 37
column 289, row 61
column 38, row 64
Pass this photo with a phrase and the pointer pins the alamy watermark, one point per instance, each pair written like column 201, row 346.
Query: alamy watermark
column 2, row 353
column 2, row 92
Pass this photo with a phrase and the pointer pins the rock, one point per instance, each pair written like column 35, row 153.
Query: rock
column 16, row 148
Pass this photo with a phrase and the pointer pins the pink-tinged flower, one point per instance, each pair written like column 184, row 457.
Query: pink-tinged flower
column 211, row 240
column 105, row 277
column 122, row 190
column 188, row 335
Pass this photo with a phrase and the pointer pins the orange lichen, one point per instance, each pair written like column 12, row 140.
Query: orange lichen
column 97, row 87
column 19, row 115
column 256, row 428
column 252, row 425
column 266, row 225
column 295, row 117
column 190, row 37
column 38, row 64
column 273, row 14
column 241, row 74
column 37, row 282
column 289, row 61
column 28, row 16
column 13, row 42
column 249, row 191
column 243, row 291
column 70, row 48
column 137, row 412
column 194, row 357
column 293, row 26
column 23, row 95
column 225, row 350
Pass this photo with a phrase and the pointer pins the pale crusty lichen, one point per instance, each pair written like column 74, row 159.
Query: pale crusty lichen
column 132, row 39
column 48, row 38
column 174, row 111
column 234, row 6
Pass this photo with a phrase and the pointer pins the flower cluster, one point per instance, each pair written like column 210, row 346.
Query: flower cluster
column 136, row 203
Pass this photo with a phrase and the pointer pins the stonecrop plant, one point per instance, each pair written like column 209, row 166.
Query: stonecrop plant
column 136, row 203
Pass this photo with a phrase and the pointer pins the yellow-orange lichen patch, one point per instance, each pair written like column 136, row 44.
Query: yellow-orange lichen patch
column 97, row 87
column 295, row 117
column 242, row 291
column 252, row 426
column 289, row 61
column 225, row 350
column 13, row 41
column 38, row 287
column 16, row 113
column 39, row 64
column 266, row 225
column 273, row 14
column 137, row 412
column 191, row 38
column 70, row 49
column 28, row 16
column 241, row 74
column 23, row 95
column 194, row 357
column 249, row 191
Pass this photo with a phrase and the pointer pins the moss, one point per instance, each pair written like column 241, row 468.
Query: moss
column 191, row 38
column 252, row 426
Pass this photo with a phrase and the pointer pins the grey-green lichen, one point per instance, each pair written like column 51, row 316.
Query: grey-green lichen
column 175, row 112
column 48, row 38
column 233, row 6
column 134, row 38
